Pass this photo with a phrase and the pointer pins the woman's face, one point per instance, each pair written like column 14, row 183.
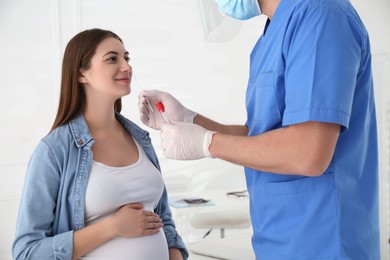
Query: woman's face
column 110, row 73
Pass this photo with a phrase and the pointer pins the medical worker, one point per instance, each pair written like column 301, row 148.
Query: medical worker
column 309, row 145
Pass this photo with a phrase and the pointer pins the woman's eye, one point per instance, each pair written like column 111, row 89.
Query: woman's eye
column 114, row 59
column 127, row 59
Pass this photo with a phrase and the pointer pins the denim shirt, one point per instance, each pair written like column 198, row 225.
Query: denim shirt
column 52, row 205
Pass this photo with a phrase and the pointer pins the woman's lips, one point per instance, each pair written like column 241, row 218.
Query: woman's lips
column 124, row 80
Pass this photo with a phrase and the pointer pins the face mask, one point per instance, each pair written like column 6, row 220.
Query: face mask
column 240, row 9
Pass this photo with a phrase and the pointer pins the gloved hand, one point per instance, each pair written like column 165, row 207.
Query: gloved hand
column 185, row 141
column 174, row 110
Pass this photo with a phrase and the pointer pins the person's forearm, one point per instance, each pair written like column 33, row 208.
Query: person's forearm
column 175, row 254
column 209, row 124
column 304, row 149
column 90, row 237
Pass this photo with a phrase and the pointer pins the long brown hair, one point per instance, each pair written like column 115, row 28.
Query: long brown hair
column 78, row 54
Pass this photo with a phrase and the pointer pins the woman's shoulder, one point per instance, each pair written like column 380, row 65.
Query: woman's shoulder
column 57, row 135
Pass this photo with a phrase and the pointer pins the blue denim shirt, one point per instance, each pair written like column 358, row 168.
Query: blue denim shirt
column 53, row 200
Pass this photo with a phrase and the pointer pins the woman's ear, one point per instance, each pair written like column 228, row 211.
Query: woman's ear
column 82, row 78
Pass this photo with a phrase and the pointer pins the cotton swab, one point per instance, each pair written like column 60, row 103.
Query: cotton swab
column 147, row 100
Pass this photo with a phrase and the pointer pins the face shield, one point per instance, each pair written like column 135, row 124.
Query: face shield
column 217, row 26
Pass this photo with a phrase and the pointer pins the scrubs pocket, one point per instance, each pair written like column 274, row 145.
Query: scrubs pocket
column 262, row 103
column 301, row 220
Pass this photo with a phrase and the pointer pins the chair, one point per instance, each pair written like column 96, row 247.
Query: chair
column 221, row 220
column 227, row 178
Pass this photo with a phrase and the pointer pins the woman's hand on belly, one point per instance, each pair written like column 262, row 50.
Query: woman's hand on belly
column 131, row 220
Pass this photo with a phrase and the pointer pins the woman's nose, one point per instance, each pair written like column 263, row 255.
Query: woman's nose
column 125, row 66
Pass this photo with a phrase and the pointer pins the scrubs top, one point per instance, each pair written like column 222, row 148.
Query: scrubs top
column 313, row 63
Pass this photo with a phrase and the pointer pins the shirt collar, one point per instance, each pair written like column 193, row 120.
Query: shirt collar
column 82, row 136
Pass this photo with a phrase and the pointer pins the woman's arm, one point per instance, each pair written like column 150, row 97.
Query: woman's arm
column 34, row 237
column 175, row 254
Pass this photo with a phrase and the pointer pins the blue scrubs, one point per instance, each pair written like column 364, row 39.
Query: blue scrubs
column 313, row 63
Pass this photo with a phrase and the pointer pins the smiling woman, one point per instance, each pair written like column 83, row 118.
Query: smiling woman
column 108, row 74
column 93, row 188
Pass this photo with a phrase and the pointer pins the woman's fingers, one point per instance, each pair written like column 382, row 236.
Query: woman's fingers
column 152, row 220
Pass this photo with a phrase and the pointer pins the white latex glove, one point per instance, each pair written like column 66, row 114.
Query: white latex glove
column 174, row 110
column 185, row 141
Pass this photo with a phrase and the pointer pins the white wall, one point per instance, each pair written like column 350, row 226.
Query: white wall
column 168, row 51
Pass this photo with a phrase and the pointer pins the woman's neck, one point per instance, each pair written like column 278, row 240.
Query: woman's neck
column 101, row 120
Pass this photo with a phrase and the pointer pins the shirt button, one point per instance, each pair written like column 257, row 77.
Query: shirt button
column 80, row 142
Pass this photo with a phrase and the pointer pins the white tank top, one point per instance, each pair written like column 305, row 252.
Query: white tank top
column 110, row 188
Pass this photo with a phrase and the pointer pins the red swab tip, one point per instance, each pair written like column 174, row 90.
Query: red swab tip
column 160, row 106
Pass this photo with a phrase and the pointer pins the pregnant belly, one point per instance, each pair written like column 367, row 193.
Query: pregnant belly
column 140, row 248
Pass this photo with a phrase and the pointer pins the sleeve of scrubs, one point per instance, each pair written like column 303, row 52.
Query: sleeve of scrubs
column 322, row 51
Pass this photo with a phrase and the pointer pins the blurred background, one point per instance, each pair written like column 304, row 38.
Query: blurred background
column 169, row 51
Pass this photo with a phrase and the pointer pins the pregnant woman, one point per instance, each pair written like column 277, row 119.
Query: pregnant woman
column 93, row 187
